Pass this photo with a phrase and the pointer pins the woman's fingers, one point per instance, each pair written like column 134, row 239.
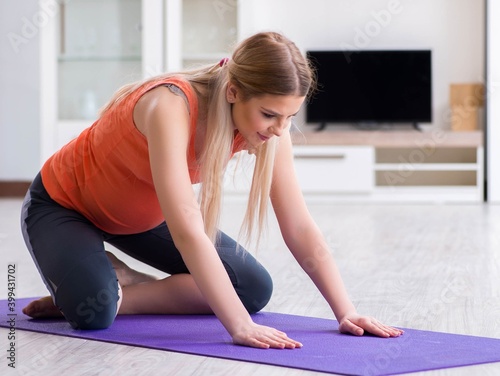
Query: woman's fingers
column 384, row 330
column 288, row 343
column 359, row 325
column 279, row 340
column 264, row 337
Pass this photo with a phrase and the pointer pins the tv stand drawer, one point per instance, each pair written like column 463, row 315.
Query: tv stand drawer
column 330, row 169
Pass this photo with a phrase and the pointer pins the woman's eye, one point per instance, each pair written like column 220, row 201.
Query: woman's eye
column 268, row 116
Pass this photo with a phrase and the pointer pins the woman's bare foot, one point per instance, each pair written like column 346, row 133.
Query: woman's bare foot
column 42, row 308
column 126, row 275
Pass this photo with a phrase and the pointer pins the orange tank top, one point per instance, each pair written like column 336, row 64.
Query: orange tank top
column 105, row 174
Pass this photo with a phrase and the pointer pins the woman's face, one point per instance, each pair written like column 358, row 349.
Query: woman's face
column 261, row 118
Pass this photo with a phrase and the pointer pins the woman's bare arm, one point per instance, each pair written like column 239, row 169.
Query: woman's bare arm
column 308, row 246
column 164, row 119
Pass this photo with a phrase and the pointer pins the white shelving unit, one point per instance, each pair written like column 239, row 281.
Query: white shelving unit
column 398, row 166
column 446, row 174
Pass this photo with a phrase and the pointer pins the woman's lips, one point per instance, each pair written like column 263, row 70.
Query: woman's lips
column 263, row 138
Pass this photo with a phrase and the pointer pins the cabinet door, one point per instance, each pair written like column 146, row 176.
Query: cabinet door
column 335, row 169
column 100, row 48
column 89, row 49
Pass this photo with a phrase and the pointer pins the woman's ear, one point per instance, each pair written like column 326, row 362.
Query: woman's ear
column 231, row 93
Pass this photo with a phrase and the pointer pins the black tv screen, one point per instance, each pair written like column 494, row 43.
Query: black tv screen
column 371, row 87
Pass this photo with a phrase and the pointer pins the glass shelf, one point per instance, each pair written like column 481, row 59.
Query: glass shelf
column 100, row 49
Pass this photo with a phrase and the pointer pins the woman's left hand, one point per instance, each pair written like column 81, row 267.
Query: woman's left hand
column 357, row 325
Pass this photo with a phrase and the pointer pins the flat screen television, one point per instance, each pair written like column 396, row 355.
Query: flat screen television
column 371, row 87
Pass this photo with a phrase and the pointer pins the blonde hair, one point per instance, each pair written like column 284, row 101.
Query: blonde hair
column 264, row 64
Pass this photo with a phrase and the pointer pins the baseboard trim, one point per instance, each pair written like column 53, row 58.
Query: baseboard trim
column 14, row 188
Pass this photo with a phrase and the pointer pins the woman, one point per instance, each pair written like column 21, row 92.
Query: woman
column 127, row 181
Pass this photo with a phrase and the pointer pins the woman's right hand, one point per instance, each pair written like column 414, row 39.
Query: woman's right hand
column 264, row 337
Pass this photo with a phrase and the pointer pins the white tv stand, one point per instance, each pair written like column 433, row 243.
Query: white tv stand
column 386, row 166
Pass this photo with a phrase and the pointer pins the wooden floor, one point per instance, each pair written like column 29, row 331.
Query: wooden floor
column 434, row 267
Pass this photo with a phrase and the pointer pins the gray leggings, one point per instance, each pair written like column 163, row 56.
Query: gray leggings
column 69, row 253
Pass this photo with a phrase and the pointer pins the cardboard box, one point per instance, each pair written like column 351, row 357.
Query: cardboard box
column 468, row 95
column 464, row 118
column 466, row 102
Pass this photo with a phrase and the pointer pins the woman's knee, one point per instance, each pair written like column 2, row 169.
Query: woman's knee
column 255, row 288
column 89, row 308
column 88, row 300
column 251, row 280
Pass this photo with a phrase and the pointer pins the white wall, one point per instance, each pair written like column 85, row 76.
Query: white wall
column 19, row 91
column 452, row 29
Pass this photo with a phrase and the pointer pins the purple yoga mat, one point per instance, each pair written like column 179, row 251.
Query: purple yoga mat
column 325, row 349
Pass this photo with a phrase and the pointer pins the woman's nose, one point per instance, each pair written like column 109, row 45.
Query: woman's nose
column 277, row 129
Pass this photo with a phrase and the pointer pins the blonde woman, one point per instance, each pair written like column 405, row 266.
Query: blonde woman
column 127, row 180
